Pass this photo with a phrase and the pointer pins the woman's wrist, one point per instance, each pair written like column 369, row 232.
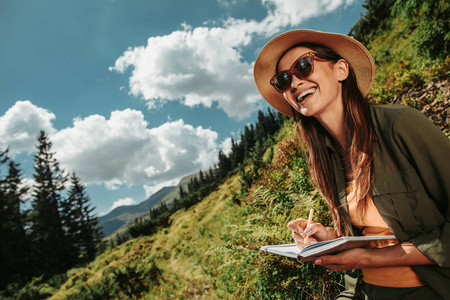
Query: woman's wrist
column 331, row 233
column 369, row 259
column 404, row 254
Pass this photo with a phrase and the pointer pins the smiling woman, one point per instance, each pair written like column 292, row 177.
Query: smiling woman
column 382, row 169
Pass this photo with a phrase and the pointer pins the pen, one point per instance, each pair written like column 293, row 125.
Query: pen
column 311, row 212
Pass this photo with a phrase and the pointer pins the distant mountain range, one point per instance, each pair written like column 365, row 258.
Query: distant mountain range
column 123, row 216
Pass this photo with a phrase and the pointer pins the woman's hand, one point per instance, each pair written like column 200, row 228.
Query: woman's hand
column 316, row 232
column 348, row 260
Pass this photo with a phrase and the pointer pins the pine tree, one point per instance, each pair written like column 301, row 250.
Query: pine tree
column 237, row 154
column 182, row 192
column 376, row 18
column 281, row 118
column 193, row 184
column 224, row 165
column 80, row 226
column 211, row 175
column 18, row 244
column 46, row 224
column 273, row 122
column 14, row 246
column 261, row 127
column 4, row 226
column 201, row 178
column 248, row 139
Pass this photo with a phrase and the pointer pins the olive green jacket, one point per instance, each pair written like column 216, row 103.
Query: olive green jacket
column 411, row 186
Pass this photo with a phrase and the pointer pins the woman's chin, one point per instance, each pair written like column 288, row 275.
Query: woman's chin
column 306, row 112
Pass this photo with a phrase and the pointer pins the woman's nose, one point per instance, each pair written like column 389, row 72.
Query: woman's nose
column 295, row 82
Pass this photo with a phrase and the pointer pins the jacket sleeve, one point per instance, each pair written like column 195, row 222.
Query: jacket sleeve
column 428, row 150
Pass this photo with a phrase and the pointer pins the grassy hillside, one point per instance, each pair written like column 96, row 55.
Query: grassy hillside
column 211, row 250
column 167, row 261
column 175, row 193
column 116, row 224
column 408, row 40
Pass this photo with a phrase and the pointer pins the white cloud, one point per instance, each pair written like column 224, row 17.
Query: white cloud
column 226, row 146
column 20, row 126
column 195, row 66
column 152, row 189
column 123, row 150
column 284, row 13
column 229, row 3
column 204, row 65
column 123, row 202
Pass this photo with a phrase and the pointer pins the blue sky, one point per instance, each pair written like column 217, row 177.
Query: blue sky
column 137, row 94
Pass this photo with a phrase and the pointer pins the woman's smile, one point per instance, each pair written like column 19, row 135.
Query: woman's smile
column 306, row 94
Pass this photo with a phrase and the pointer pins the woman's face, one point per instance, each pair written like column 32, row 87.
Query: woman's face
column 321, row 93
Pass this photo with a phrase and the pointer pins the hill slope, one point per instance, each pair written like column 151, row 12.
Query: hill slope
column 210, row 250
column 123, row 216
column 167, row 256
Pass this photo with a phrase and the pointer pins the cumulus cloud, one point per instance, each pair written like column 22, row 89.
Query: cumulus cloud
column 226, row 146
column 204, row 65
column 20, row 126
column 123, row 202
column 152, row 189
column 228, row 3
column 118, row 203
column 194, row 66
column 284, row 13
column 123, row 150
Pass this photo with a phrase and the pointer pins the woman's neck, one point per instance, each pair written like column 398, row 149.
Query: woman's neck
column 334, row 124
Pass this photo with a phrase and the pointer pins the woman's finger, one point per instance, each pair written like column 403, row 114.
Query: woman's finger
column 317, row 230
column 297, row 225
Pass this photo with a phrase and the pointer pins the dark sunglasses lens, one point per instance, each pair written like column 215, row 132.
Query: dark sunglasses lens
column 302, row 68
column 282, row 81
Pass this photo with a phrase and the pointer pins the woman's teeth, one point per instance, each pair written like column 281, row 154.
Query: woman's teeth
column 304, row 94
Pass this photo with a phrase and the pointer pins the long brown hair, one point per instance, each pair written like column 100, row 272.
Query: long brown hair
column 356, row 156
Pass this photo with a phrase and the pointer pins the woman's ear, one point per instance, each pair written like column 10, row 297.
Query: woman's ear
column 341, row 69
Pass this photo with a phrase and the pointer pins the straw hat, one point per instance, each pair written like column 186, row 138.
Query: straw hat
column 348, row 48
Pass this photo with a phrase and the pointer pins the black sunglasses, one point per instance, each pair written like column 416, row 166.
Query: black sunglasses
column 302, row 68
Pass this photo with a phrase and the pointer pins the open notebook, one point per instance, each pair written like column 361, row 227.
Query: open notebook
column 310, row 252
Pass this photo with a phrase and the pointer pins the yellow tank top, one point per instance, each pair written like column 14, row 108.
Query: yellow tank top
column 372, row 223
